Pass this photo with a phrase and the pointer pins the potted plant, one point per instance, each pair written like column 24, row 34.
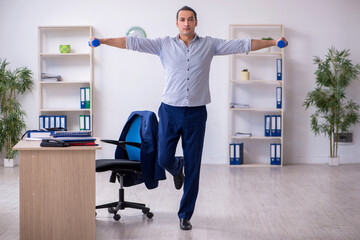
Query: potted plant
column 12, row 84
column 334, row 113
column 245, row 74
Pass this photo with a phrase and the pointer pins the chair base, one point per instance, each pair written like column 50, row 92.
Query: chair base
column 114, row 207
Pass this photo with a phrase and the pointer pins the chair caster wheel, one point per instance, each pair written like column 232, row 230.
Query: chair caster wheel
column 149, row 214
column 111, row 210
column 117, row 217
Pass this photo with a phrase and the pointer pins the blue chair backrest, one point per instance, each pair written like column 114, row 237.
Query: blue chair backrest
column 133, row 135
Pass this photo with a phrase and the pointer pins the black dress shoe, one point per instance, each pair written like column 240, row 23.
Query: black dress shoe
column 185, row 224
column 179, row 179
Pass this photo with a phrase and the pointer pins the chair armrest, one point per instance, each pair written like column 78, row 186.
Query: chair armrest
column 122, row 143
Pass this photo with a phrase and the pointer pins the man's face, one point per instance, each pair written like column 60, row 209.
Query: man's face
column 186, row 23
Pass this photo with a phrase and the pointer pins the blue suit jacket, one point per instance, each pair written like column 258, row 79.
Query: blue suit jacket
column 151, row 171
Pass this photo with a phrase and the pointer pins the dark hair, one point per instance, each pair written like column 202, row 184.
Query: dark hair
column 186, row 8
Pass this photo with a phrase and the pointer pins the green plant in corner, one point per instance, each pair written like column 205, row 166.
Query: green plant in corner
column 334, row 113
column 12, row 84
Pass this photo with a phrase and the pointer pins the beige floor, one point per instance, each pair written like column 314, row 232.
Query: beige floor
column 293, row 202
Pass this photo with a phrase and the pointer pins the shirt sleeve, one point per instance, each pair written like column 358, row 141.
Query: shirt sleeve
column 226, row 47
column 139, row 44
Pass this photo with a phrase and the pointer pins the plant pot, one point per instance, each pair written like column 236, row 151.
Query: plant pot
column 8, row 162
column 333, row 161
column 245, row 75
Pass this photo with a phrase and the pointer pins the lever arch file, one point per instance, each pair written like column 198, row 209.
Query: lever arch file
column 278, row 154
column 87, row 97
column 267, row 125
column 273, row 126
column 232, row 153
column 279, row 69
column 278, row 125
column 272, row 153
column 82, row 98
column 278, row 97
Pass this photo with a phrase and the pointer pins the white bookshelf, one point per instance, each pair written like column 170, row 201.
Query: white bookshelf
column 259, row 93
column 76, row 69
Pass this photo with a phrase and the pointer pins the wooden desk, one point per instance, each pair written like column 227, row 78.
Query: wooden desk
column 57, row 191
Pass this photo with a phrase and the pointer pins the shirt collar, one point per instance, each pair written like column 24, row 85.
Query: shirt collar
column 195, row 37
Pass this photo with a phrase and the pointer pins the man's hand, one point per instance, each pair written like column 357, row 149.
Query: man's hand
column 91, row 42
column 282, row 39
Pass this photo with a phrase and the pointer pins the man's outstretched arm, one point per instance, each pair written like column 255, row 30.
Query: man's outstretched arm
column 259, row 44
column 114, row 42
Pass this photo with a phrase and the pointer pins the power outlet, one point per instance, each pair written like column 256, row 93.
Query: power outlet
column 345, row 138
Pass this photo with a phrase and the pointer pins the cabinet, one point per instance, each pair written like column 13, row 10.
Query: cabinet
column 62, row 98
column 255, row 97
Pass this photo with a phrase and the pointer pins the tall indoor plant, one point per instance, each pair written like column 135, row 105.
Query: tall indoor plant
column 12, row 84
column 334, row 113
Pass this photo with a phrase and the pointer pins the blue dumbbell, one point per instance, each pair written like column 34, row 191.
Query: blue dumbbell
column 282, row 43
column 94, row 42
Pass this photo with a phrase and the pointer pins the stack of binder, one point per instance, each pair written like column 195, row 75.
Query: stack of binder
column 84, row 122
column 236, row 153
column 275, row 154
column 75, row 138
column 85, row 98
column 52, row 121
column 272, row 125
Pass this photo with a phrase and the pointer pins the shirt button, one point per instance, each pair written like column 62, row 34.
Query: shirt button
column 188, row 69
column 187, row 97
column 188, row 59
column 188, row 79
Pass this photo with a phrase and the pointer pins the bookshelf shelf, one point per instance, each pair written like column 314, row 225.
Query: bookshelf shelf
column 257, row 82
column 259, row 93
column 257, row 109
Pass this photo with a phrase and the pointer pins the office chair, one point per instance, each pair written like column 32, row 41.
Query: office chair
column 133, row 161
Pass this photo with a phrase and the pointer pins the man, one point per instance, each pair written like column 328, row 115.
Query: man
column 186, row 59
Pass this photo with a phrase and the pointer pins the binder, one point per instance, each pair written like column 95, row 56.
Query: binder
column 239, row 153
column 82, row 98
column 279, row 69
column 38, row 134
column 46, row 122
column 87, row 122
column 82, row 122
column 272, row 153
column 278, row 154
column 278, row 97
column 232, row 153
column 63, row 121
column 57, row 121
column 278, row 125
column 87, row 97
column 267, row 125
column 273, row 126
column 52, row 121
column 41, row 122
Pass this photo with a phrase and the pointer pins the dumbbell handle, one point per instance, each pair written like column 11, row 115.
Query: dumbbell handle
column 95, row 43
column 282, row 43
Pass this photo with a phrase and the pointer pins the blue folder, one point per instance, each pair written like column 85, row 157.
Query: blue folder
column 278, row 97
column 279, row 69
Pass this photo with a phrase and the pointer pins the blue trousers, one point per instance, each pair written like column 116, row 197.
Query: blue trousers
column 189, row 124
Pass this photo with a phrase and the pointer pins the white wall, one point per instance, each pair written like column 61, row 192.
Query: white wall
column 127, row 81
